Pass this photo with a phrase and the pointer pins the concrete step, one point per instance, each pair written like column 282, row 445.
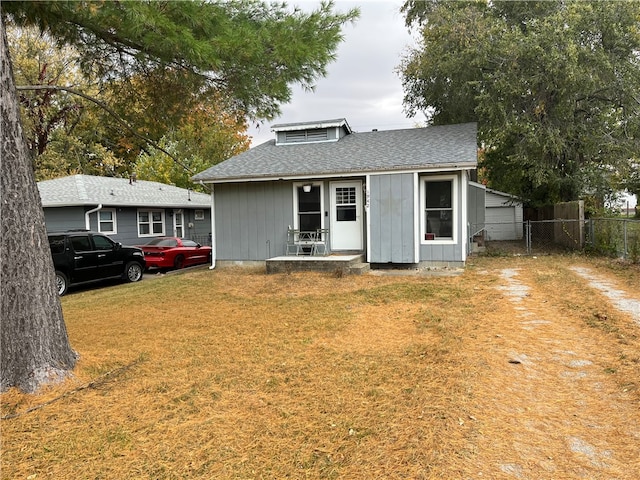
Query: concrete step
column 477, row 248
column 359, row 268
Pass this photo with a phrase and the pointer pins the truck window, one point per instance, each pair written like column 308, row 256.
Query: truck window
column 57, row 244
column 81, row 243
column 102, row 243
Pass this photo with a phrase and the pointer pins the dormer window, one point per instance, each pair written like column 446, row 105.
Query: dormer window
column 311, row 132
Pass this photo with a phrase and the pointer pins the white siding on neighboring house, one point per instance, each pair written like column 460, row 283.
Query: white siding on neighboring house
column 503, row 216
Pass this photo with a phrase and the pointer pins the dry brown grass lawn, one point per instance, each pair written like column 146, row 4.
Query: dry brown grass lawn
column 235, row 374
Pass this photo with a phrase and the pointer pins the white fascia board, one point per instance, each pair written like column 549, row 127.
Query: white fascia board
column 291, row 144
column 310, row 125
column 441, row 169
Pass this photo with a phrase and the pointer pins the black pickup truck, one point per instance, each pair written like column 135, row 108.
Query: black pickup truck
column 83, row 257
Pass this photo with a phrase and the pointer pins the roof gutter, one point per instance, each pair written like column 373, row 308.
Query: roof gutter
column 87, row 221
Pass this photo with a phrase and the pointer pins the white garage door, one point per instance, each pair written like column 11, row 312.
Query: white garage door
column 501, row 224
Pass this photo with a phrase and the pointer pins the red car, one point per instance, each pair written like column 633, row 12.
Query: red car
column 174, row 252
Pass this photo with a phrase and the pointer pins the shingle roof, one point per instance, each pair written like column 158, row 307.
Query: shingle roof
column 427, row 148
column 78, row 190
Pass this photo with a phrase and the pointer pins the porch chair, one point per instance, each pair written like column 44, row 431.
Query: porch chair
column 293, row 247
column 320, row 242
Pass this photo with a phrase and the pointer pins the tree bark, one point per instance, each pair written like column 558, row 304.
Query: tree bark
column 34, row 345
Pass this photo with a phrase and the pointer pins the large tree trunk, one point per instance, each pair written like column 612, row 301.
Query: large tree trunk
column 34, row 345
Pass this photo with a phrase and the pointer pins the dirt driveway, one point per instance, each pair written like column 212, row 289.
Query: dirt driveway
column 557, row 393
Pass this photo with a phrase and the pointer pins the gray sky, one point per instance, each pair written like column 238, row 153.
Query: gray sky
column 361, row 85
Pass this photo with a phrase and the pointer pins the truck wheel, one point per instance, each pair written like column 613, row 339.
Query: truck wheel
column 62, row 283
column 133, row 272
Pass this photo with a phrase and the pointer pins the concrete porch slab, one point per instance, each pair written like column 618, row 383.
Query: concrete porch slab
column 299, row 263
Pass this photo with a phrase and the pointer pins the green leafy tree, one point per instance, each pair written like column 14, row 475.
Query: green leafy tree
column 153, row 103
column 207, row 137
column 631, row 182
column 244, row 51
column 165, row 119
column 552, row 85
column 64, row 132
column 38, row 61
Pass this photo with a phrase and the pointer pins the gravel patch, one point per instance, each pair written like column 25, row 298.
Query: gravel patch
column 532, row 324
column 596, row 457
column 579, row 363
column 512, row 469
column 618, row 297
column 515, row 289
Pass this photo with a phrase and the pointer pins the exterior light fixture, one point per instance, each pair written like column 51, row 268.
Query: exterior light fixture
column 306, row 188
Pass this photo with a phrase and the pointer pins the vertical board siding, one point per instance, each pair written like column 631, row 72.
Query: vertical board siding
column 259, row 230
column 391, row 217
column 476, row 206
column 244, row 240
column 252, row 220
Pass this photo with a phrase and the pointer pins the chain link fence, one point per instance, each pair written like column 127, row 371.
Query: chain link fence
column 202, row 239
column 615, row 237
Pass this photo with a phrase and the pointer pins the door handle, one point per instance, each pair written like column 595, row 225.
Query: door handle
column 79, row 257
column 102, row 255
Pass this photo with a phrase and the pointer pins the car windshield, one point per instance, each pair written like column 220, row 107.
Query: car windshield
column 163, row 242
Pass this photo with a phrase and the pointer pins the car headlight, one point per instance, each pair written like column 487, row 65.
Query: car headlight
column 139, row 254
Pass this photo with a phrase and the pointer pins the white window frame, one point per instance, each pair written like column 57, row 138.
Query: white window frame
column 178, row 225
column 295, row 202
column 455, row 207
column 151, row 233
column 113, row 220
column 199, row 215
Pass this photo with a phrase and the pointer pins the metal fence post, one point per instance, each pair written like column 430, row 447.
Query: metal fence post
column 625, row 248
column 528, row 236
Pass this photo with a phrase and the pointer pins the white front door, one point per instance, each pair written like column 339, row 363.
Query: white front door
column 346, row 216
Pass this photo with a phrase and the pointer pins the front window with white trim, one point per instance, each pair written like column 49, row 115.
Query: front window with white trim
column 308, row 207
column 107, row 221
column 151, row 223
column 439, row 205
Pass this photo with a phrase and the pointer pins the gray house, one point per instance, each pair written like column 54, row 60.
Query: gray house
column 128, row 211
column 397, row 197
